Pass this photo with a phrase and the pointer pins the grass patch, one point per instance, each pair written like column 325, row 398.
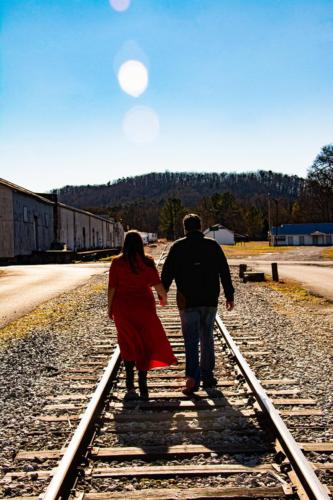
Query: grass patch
column 253, row 248
column 328, row 253
column 294, row 291
column 52, row 312
column 107, row 259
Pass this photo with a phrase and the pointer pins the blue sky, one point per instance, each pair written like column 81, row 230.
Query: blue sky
column 236, row 85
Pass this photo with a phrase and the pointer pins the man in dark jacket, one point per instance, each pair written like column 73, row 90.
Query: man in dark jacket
column 198, row 264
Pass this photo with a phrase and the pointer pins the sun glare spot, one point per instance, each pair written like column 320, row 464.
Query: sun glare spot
column 141, row 125
column 133, row 78
column 120, row 5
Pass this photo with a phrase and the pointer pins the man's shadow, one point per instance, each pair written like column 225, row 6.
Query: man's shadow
column 210, row 419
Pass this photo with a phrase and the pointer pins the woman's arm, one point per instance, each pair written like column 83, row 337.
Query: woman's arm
column 162, row 294
column 110, row 299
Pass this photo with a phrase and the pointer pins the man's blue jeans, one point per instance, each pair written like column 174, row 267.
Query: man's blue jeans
column 198, row 326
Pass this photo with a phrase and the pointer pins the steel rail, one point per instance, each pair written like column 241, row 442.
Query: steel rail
column 60, row 483
column 310, row 482
column 62, row 479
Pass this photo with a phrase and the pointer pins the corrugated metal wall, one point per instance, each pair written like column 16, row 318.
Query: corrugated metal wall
column 33, row 224
column 6, row 223
column 28, row 223
column 79, row 230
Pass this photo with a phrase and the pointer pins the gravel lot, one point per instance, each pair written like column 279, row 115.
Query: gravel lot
column 299, row 334
column 32, row 365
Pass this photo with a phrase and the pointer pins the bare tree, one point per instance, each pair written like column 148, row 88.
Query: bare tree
column 320, row 183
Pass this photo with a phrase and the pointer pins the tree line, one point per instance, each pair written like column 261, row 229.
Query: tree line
column 246, row 203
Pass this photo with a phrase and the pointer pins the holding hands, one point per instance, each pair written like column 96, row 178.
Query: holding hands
column 162, row 295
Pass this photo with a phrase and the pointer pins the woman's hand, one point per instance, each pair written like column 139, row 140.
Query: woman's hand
column 162, row 295
column 163, row 300
column 110, row 312
column 110, row 300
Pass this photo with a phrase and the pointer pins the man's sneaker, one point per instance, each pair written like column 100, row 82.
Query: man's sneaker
column 209, row 383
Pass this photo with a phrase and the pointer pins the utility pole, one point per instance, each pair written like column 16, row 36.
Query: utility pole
column 269, row 218
column 276, row 218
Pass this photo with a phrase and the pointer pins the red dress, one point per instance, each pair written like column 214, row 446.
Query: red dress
column 141, row 336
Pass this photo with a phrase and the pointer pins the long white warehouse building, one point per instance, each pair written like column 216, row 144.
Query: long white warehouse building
column 32, row 222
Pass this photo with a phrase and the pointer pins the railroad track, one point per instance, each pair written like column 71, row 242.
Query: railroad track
column 228, row 442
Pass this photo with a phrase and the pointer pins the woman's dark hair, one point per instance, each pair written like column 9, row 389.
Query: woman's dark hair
column 133, row 248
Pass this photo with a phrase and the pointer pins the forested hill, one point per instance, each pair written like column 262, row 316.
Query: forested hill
column 247, row 203
column 190, row 188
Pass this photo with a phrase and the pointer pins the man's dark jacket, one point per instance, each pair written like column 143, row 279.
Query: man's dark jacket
column 197, row 264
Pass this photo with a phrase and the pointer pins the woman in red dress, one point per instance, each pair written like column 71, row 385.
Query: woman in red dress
column 131, row 303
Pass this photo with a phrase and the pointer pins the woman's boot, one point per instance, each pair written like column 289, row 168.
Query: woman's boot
column 129, row 367
column 143, row 385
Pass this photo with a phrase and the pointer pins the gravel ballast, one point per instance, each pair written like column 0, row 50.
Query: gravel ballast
column 33, row 365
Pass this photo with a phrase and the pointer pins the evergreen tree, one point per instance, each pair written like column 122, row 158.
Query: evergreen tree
column 171, row 217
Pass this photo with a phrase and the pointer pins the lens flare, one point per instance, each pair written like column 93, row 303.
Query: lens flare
column 130, row 50
column 141, row 125
column 133, row 77
column 120, row 5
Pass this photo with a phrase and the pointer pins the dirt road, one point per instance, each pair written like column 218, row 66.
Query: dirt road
column 315, row 276
column 22, row 288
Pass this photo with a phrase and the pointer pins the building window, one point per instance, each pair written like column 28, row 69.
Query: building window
column 301, row 240
column 25, row 214
column 290, row 240
column 328, row 239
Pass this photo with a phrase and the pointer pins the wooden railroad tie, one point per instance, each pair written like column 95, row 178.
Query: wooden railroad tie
column 191, row 449
column 179, row 470
column 189, row 493
column 171, row 415
column 202, row 403
column 209, row 394
column 176, row 450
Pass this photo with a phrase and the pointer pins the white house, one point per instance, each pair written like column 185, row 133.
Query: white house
column 319, row 234
column 221, row 234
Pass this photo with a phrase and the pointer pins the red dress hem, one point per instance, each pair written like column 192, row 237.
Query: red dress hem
column 141, row 336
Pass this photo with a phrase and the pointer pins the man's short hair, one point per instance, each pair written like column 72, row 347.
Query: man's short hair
column 192, row 222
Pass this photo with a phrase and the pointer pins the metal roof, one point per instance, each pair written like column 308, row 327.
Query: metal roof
column 22, row 190
column 80, row 210
column 215, row 228
column 310, row 228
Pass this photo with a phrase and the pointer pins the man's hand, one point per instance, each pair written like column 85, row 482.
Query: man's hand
column 163, row 301
column 229, row 305
column 163, row 298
